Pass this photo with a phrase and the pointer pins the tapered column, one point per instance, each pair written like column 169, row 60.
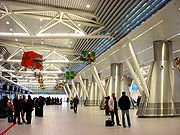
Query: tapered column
column 163, row 83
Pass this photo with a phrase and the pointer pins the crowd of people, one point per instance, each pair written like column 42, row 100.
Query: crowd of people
column 53, row 101
column 20, row 109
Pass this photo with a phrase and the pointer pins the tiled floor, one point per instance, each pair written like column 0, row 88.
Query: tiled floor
column 59, row 120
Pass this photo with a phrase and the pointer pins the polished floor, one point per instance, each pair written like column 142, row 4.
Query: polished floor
column 60, row 120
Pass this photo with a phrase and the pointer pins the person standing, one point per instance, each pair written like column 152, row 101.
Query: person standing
column 113, row 109
column 29, row 109
column 75, row 102
column 106, row 107
column 10, row 110
column 124, row 104
column 41, row 104
column 23, row 108
column 138, row 100
column 17, row 109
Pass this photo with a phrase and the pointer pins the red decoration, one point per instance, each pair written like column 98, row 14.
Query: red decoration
column 29, row 62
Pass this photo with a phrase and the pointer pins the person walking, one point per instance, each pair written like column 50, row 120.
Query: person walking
column 29, row 109
column 113, row 109
column 75, row 102
column 17, row 109
column 124, row 104
column 10, row 110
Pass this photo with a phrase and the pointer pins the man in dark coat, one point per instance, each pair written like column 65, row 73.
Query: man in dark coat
column 124, row 104
column 29, row 109
column 76, row 102
column 17, row 109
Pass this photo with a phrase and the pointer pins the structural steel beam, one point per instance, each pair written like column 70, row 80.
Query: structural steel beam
column 133, row 56
column 65, row 91
column 50, row 36
column 82, row 85
column 76, row 93
column 131, row 70
column 36, row 46
column 70, row 93
column 97, row 79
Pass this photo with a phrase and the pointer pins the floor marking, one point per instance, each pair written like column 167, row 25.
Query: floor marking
column 5, row 131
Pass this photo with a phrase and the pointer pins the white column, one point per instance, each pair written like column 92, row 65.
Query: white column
column 82, row 85
column 97, row 79
column 131, row 70
column 75, row 90
column 70, row 93
column 133, row 56
column 65, row 91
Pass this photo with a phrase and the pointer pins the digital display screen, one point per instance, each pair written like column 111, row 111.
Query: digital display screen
column 134, row 86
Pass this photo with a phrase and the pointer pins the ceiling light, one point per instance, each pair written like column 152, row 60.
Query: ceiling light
column 16, row 39
column 42, row 42
column 69, row 46
column 11, row 29
column 7, row 22
column 79, row 24
column 64, row 55
column 71, row 42
column 2, row 14
column 179, row 8
column 40, row 27
column 41, row 20
column 88, row 6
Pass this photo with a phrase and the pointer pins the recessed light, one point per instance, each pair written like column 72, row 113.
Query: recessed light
column 41, row 20
column 2, row 14
column 7, row 22
column 11, row 29
column 16, row 39
column 71, row 42
column 69, row 46
column 88, row 6
column 79, row 24
column 42, row 42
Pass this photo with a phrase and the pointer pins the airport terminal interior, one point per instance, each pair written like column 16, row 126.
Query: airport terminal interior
column 88, row 67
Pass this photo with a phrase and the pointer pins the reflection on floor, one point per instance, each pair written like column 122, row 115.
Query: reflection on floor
column 60, row 120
